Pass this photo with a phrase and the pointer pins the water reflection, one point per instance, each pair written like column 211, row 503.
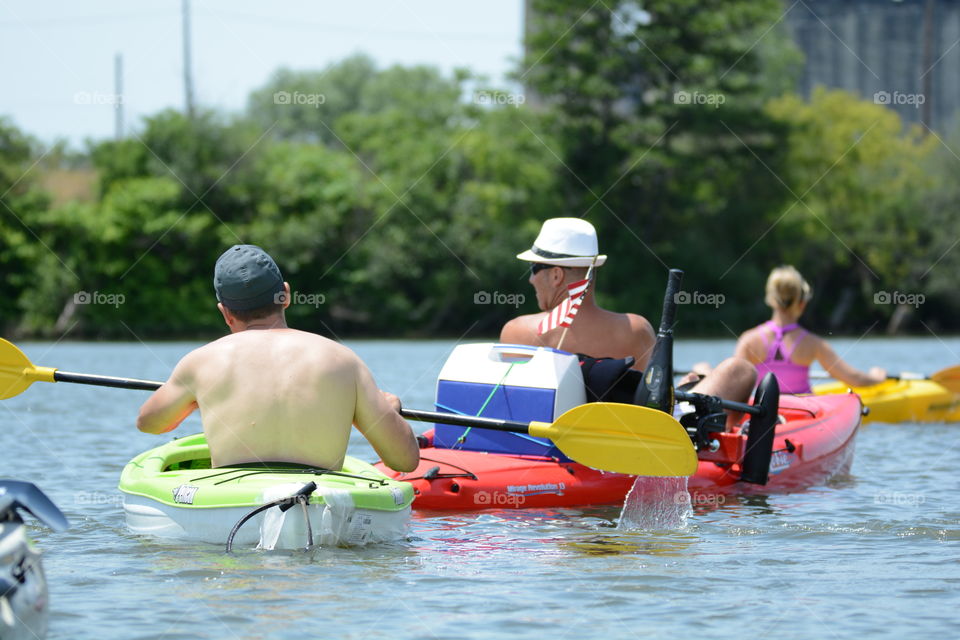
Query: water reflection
column 652, row 543
column 733, row 503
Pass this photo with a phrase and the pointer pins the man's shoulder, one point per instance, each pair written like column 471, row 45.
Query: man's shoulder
column 522, row 329
column 635, row 322
column 286, row 341
column 528, row 320
column 638, row 321
column 319, row 345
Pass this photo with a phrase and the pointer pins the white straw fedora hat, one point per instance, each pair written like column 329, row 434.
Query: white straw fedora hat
column 565, row 242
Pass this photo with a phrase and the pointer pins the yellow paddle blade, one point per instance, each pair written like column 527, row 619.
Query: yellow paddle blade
column 948, row 378
column 17, row 372
column 622, row 438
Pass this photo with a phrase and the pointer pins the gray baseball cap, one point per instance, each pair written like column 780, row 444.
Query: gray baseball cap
column 246, row 277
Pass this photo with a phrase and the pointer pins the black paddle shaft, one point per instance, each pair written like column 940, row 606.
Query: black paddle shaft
column 465, row 421
column 106, row 381
column 411, row 414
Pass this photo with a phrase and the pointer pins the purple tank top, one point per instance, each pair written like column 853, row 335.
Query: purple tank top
column 793, row 378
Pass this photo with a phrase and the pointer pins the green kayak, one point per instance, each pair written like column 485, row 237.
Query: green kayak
column 171, row 492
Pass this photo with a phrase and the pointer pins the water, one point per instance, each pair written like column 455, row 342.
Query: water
column 873, row 553
column 655, row 504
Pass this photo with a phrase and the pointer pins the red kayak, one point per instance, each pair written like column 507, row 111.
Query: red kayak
column 813, row 441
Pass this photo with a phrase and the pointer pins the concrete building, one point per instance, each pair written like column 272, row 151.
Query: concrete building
column 902, row 53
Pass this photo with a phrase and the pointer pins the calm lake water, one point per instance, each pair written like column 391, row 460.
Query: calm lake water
column 872, row 554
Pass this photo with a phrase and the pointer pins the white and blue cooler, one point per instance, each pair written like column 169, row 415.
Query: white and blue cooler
column 507, row 381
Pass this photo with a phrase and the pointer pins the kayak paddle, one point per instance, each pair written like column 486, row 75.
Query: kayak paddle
column 613, row 437
column 948, row 377
column 623, row 438
column 17, row 373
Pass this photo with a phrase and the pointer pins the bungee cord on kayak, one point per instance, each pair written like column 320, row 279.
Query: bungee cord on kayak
column 301, row 497
column 483, row 406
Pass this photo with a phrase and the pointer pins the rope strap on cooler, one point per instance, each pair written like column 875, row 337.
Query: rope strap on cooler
column 463, row 437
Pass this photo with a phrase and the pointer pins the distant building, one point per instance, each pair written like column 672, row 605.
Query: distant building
column 902, row 53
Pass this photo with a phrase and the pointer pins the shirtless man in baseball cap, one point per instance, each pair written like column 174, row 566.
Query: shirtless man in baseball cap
column 268, row 393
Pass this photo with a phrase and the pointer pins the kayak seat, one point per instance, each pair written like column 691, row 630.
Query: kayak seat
column 193, row 463
column 609, row 379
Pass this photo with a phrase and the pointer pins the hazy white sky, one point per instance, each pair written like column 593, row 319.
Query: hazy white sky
column 57, row 57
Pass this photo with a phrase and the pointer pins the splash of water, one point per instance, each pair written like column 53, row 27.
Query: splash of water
column 656, row 503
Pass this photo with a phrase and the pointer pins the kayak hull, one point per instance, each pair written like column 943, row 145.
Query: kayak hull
column 171, row 492
column 895, row 401
column 815, row 442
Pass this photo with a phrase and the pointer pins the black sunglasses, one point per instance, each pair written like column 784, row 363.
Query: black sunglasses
column 537, row 267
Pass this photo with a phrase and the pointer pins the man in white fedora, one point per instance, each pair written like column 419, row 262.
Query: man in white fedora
column 561, row 255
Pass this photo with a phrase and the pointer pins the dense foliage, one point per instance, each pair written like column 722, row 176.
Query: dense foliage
column 392, row 198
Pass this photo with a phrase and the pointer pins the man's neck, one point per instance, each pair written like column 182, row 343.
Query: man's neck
column 588, row 301
column 589, row 304
column 273, row 322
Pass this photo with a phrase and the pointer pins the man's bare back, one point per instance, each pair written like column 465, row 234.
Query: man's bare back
column 596, row 332
column 282, row 395
column 268, row 393
column 275, row 395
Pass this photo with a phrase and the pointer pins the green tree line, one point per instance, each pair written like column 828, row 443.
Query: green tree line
column 392, row 197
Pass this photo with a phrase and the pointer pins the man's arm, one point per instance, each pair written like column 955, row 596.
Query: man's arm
column 170, row 404
column 377, row 417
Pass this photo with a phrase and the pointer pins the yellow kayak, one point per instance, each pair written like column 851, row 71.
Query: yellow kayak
column 903, row 400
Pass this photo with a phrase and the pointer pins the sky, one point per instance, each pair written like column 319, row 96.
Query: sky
column 57, row 58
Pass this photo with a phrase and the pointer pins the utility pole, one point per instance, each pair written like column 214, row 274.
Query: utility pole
column 187, row 78
column 118, row 95
column 926, row 111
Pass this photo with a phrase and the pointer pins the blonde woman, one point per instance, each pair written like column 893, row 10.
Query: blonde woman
column 783, row 347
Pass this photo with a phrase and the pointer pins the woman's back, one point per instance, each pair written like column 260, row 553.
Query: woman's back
column 786, row 351
column 781, row 346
